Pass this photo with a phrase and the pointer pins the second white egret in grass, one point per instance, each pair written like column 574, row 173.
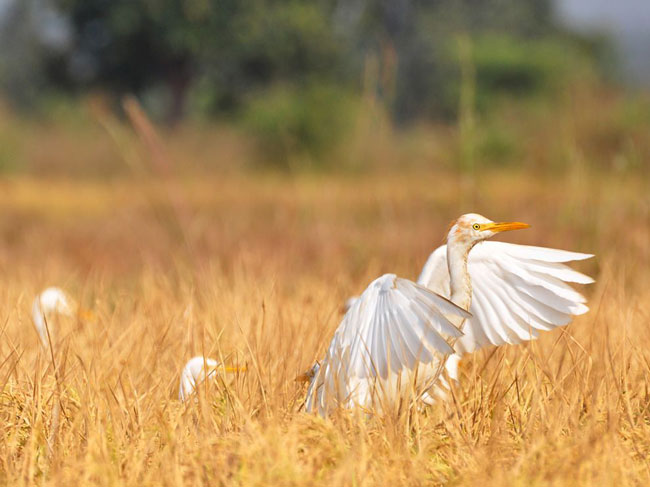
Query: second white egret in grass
column 51, row 304
column 197, row 370
column 390, row 341
column 48, row 305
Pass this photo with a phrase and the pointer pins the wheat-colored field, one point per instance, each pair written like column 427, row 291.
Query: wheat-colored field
column 253, row 268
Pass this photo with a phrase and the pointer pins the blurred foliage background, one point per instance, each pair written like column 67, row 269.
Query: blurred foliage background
column 300, row 84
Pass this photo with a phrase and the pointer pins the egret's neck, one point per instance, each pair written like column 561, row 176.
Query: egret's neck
column 39, row 322
column 460, row 283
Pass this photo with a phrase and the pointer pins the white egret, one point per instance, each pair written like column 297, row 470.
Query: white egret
column 390, row 340
column 515, row 291
column 196, row 370
column 49, row 304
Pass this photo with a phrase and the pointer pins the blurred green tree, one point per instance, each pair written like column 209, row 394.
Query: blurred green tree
column 423, row 39
column 222, row 51
column 291, row 72
column 222, row 48
column 32, row 34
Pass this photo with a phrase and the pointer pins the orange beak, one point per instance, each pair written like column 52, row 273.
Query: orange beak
column 505, row 226
column 86, row 314
column 230, row 369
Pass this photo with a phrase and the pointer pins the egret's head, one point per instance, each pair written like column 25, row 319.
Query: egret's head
column 197, row 369
column 472, row 228
column 55, row 301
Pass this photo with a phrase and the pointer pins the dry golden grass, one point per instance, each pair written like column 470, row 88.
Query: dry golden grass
column 254, row 269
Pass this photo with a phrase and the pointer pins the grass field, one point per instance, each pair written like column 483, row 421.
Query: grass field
column 253, row 268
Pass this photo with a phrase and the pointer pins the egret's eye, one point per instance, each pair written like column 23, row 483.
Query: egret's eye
column 476, row 226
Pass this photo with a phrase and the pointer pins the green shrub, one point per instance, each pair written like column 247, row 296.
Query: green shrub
column 522, row 67
column 505, row 66
column 298, row 126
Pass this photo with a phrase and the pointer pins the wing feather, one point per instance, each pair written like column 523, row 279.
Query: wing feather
column 556, row 286
column 558, row 271
column 517, row 290
column 548, row 297
column 543, row 254
column 496, row 332
column 529, row 311
column 395, row 326
column 516, row 318
column 510, row 328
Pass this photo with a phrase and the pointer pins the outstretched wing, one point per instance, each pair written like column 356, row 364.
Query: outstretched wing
column 393, row 327
column 517, row 291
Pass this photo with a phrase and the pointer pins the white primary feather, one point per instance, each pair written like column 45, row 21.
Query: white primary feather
column 393, row 331
column 517, row 291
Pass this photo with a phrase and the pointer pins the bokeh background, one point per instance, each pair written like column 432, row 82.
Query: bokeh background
column 347, row 86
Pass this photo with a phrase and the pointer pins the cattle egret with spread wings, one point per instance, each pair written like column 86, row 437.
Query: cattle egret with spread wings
column 516, row 292
column 396, row 338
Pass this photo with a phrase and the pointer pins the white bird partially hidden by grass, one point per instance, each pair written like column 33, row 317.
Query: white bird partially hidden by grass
column 51, row 303
column 197, row 370
column 390, row 347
